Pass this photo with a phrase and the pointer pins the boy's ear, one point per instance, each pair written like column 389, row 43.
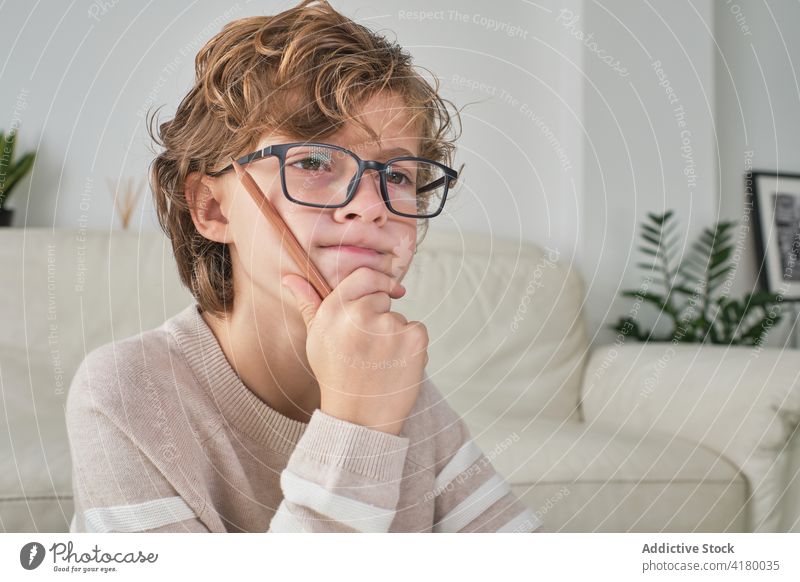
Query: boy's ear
column 204, row 195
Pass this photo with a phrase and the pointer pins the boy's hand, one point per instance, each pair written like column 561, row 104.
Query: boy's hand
column 369, row 361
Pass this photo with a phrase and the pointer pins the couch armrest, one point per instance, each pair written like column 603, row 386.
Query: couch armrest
column 743, row 403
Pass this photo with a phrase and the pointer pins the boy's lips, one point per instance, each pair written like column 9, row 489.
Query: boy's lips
column 354, row 249
column 356, row 246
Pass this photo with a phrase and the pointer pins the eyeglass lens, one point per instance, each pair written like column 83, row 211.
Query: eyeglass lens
column 321, row 175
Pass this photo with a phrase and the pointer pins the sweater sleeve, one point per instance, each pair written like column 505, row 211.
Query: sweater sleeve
column 341, row 477
column 116, row 485
column 116, row 488
column 469, row 494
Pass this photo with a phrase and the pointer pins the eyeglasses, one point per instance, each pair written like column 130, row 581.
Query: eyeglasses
column 327, row 176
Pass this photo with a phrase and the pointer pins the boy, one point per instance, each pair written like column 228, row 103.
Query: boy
column 263, row 407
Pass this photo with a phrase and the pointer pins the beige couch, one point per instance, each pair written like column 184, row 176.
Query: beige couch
column 635, row 438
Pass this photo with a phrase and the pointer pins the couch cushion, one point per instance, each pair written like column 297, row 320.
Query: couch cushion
column 743, row 403
column 581, row 478
column 504, row 320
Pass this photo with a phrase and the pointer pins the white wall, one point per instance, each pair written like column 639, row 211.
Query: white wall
column 518, row 77
column 639, row 127
column 758, row 114
column 561, row 148
column 89, row 80
column 733, row 69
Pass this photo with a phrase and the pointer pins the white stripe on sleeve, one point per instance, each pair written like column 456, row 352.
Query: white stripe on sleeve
column 461, row 461
column 138, row 517
column 284, row 522
column 478, row 501
column 356, row 514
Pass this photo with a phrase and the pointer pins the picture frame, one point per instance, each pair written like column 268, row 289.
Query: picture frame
column 776, row 204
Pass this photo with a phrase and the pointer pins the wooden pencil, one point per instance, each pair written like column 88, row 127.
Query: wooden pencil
column 296, row 251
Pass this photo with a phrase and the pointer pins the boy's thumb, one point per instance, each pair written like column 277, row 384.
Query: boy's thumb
column 305, row 295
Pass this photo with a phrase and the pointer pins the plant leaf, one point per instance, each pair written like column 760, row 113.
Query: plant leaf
column 17, row 173
column 648, row 251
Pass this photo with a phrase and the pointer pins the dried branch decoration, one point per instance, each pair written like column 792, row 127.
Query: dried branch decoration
column 126, row 198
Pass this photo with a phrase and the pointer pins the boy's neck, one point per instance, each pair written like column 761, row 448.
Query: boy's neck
column 269, row 356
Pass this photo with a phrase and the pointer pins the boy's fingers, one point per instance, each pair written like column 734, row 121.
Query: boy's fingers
column 308, row 301
column 365, row 281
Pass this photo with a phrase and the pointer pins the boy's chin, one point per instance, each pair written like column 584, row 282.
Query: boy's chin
column 337, row 271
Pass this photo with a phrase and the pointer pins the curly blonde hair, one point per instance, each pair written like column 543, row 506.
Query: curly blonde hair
column 304, row 71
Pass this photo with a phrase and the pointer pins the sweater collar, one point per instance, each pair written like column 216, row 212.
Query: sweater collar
column 238, row 405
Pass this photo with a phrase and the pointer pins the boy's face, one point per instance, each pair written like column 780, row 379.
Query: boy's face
column 364, row 222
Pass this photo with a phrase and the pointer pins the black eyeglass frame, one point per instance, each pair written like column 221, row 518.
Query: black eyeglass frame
column 279, row 151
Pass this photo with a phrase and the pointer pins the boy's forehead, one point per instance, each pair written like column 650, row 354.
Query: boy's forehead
column 386, row 114
column 393, row 125
column 386, row 141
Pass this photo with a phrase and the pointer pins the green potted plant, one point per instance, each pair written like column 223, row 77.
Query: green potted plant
column 689, row 294
column 11, row 172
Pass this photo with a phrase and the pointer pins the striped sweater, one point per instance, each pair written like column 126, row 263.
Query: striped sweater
column 165, row 437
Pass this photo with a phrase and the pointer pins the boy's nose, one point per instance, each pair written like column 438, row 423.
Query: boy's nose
column 367, row 202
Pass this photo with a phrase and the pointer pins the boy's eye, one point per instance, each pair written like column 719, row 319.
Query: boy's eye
column 312, row 163
column 397, row 178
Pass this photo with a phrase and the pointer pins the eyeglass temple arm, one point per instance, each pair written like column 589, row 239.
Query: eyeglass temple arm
column 435, row 184
column 267, row 151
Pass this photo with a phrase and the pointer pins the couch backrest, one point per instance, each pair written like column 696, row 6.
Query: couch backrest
column 68, row 291
column 504, row 317
column 507, row 336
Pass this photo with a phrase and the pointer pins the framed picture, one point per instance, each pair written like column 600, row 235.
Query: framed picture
column 776, row 204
